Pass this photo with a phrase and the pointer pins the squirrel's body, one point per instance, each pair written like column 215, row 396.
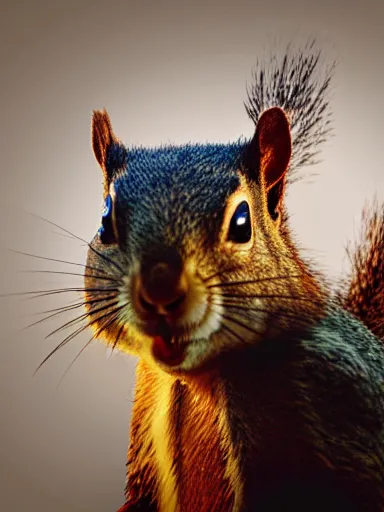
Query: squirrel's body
column 306, row 446
column 256, row 389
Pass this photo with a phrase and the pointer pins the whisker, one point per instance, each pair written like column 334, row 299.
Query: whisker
column 234, row 333
column 59, row 311
column 45, row 293
column 45, row 258
column 74, row 321
column 253, row 281
column 98, row 253
column 95, row 276
column 117, row 338
column 240, row 323
column 63, row 235
column 73, row 305
column 234, row 267
column 94, row 336
column 73, row 335
column 60, row 345
column 217, row 274
column 74, row 360
column 246, row 309
column 106, row 259
column 271, row 296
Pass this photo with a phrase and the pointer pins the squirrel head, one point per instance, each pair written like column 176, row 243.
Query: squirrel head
column 192, row 257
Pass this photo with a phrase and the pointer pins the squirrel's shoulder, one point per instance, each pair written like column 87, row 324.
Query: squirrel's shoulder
column 342, row 351
column 339, row 326
column 336, row 347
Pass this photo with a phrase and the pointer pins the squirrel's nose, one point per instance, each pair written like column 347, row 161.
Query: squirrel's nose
column 161, row 287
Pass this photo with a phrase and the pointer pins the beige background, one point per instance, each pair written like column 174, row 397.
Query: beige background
column 165, row 72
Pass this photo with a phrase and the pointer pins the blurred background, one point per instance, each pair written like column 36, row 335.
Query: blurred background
column 166, row 72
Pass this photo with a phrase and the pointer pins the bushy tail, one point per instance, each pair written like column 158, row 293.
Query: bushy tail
column 363, row 293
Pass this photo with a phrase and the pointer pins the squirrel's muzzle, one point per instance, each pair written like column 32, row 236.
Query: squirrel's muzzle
column 161, row 286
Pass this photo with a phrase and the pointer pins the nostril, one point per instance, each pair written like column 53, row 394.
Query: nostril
column 147, row 306
column 175, row 304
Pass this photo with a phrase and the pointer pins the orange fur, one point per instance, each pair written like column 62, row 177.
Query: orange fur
column 195, row 445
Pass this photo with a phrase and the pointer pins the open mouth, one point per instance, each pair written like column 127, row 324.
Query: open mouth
column 170, row 351
column 168, row 342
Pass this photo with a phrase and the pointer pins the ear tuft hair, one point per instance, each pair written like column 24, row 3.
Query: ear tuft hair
column 298, row 83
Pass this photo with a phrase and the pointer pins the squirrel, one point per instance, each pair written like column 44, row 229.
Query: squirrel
column 257, row 386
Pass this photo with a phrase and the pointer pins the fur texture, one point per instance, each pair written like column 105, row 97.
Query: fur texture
column 362, row 293
column 298, row 83
column 278, row 399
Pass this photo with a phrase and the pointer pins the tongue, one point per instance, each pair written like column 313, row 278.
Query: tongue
column 170, row 353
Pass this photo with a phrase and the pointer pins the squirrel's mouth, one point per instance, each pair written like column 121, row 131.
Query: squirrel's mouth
column 169, row 351
column 179, row 341
column 168, row 341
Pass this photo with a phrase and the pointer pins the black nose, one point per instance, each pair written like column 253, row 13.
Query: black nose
column 161, row 286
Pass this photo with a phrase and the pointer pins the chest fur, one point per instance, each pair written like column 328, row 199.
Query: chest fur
column 186, row 447
column 251, row 439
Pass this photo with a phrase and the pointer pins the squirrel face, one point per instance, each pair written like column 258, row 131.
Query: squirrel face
column 181, row 268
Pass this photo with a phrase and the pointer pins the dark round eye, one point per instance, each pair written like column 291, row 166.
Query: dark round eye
column 106, row 232
column 240, row 229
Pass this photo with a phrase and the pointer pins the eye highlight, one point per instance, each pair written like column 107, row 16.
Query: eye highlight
column 240, row 229
column 106, row 231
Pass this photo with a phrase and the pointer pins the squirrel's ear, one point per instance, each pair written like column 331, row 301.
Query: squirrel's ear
column 108, row 150
column 270, row 152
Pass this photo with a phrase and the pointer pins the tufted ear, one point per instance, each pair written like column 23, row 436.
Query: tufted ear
column 270, row 153
column 110, row 153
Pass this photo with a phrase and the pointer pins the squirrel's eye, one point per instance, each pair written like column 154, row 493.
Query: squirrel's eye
column 240, row 229
column 106, row 231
